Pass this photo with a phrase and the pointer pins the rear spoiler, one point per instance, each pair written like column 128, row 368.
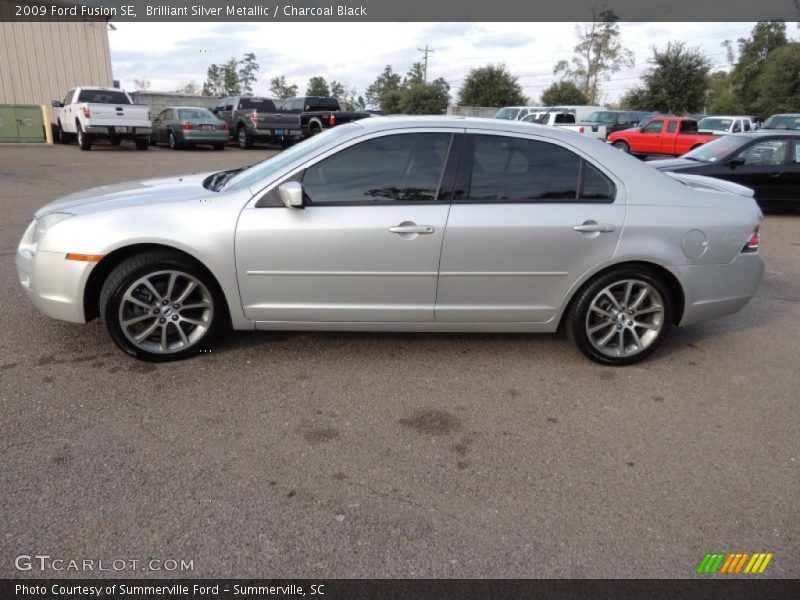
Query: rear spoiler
column 701, row 182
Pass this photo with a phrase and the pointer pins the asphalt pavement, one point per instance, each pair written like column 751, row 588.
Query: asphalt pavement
column 390, row 455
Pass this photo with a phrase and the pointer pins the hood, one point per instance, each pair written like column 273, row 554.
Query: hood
column 669, row 164
column 131, row 193
column 701, row 182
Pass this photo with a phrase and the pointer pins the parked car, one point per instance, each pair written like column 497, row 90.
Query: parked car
column 724, row 124
column 670, row 136
column 181, row 126
column 767, row 162
column 517, row 113
column 245, row 125
column 402, row 224
column 617, row 120
column 306, row 116
column 582, row 111
column 566, row 120
column 89, row 113
column 785, row 121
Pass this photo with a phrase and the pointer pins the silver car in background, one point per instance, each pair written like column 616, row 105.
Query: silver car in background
column 403, row 224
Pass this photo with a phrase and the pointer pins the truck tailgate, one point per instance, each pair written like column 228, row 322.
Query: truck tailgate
column 118, row 115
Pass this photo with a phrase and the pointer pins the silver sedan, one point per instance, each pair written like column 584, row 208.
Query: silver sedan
column 403, row 224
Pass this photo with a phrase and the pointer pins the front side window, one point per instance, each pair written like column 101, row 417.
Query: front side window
column 402, row 168
column 653, row 127
column 507, row 169
column 768, row 152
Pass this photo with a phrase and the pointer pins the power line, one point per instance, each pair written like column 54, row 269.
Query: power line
column 425, row 51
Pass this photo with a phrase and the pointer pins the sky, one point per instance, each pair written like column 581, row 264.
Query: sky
column 168, row 54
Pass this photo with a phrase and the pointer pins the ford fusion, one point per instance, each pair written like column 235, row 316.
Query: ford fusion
column 403, row 224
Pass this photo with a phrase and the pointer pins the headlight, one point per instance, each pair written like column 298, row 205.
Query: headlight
column 46, row 222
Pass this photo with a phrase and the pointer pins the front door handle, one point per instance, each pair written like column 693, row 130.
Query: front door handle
column 592, row 227
column 421, row 229
column 775, row 175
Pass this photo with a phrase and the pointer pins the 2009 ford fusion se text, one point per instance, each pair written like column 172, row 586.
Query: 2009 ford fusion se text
column 403, row 224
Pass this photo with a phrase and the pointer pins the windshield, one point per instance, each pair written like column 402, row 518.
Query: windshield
column 507, row 113
column 718, row 149
column 601, row 116
column 715, row 124
column 783, row 122
column 265, row 168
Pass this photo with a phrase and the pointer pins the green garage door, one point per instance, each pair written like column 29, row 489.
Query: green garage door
column 21, row 123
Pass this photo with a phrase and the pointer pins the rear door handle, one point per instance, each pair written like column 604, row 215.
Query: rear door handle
column 421, row 229
column 591, row 227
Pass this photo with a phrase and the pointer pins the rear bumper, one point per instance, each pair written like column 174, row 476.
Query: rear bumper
column 54, row 285
column 203, row 137
column 713, row 291
column 110, row 130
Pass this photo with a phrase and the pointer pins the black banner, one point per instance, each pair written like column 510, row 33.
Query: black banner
column 399, row 589
column 386, row 11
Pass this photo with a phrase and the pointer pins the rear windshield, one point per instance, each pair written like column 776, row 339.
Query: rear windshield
column 791, row 122
column 715, row 123
column 601, row 116
column 507, row 113
column 261, row 104
column 321, row 104
column 195, row 114
column 103, row 97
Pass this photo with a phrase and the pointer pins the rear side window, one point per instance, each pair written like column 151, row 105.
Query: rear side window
column 507, row 169
column 401, row 168
column 672, row 127
column 321, row 104
column 259, row 104
column 103, row 97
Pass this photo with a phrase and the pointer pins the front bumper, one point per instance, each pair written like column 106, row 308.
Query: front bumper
column 54, row 285
column 713, row 291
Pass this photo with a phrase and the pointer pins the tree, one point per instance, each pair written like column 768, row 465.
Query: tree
column 338, row 90
column 677, row 82
column 317, row 86
column 492, row 85
column 754, row 51
column 141, row 84
column 230, row 78
column 416, row 74
column 779, row 82
column 390, row 101
column 387, row 81
column 248, row 67
column 563, row 92
column 189, row 87
column 420, row 98
column 280, row 89
column 213, row 85
column 598, row 54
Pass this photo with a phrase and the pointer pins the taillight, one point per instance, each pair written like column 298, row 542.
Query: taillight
column 255, row 117
column 223, row 127
column 86, row 112
column 754, row 241
column 186, row 126
column 332, row 120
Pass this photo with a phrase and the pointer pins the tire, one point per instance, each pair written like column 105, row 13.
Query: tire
column 114, row 141
column 63, row 136
column 219, row 146
column 314, row 129
column 606, row 330
column 142, row 143
column 84, row 139
column 245, row 138
column 172, row 141
column 285, row 143
column 620, row 145
column 153, row 140
column 199, row 315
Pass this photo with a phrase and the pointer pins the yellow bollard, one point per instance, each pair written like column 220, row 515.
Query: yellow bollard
column 47, row 115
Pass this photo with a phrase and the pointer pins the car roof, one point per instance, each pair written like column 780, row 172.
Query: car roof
column 188, row 107
column 765, row 132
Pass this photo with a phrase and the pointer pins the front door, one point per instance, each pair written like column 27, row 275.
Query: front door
column 529, row 217
column 366, row 246
column 763, row 169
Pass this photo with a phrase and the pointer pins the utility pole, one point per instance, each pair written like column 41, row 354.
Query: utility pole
column 426, row 51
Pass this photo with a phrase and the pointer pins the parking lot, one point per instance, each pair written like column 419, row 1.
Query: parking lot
column 391, row 455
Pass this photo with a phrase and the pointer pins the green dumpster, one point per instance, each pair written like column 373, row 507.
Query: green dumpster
column 21, row 123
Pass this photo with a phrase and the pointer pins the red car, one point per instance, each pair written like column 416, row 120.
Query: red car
column 666, row 136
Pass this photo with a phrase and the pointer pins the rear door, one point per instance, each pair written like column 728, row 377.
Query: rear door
column 529, row 217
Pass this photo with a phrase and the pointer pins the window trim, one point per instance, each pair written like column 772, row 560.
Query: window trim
column 261, row 198
column 464, row 177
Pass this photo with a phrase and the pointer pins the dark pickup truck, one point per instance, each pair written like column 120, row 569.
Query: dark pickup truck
column 254, row 119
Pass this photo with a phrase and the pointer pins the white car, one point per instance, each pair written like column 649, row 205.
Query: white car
column 725, row 124
column 566, row 120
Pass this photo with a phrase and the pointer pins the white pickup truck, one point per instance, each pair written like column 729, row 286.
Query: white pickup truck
column 88, row 113
column 566, row 120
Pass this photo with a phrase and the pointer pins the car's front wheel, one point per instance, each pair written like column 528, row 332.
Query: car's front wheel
column 621, row 316
column 623, row 146
column 160, row 307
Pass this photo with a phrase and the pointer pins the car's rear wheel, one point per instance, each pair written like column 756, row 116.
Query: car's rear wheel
column 620, row 145
column 160, row 307
column 142, row 143
column 245, row 137
column 314, row 129
column 114, row 140
column 84, row 139
column 621, row 316
column 172, row 141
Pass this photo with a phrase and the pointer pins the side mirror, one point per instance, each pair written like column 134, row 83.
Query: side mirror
column 291, row 194
column 56, row 104
column 736, row 162
column 215, row 110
